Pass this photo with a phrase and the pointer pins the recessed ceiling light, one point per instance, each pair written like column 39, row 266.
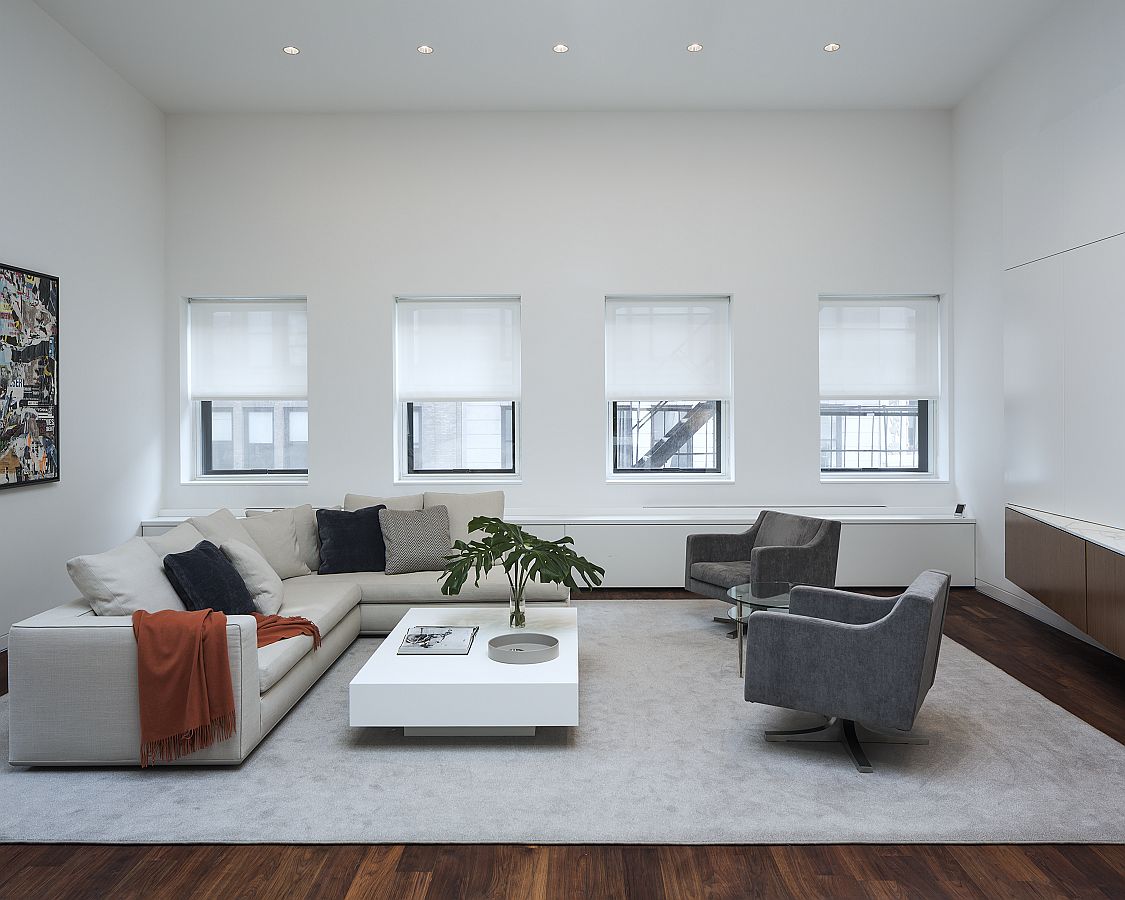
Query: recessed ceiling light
column 292, row 51
column 694, row 48
column 831, row 48
column 560, row 48
column 425, row 48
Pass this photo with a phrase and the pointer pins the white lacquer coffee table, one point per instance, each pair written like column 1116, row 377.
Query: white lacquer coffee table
column 472, row 694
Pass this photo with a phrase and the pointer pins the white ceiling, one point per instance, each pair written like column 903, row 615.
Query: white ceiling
column 225, row 55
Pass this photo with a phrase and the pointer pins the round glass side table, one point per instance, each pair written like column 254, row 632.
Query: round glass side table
column 752, row 597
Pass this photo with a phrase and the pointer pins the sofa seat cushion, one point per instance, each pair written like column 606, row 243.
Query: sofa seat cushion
column 423, row 587
column 312, row 597
column 322, row 602
column 721, row 574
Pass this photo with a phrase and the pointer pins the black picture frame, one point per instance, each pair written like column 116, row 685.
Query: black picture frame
column 29, row 378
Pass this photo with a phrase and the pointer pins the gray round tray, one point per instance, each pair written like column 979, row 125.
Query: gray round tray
column 523, row 649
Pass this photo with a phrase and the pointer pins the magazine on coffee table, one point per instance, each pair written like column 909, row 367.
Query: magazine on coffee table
column 437, row 640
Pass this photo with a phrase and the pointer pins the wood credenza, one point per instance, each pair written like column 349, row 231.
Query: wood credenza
column 1082, row 581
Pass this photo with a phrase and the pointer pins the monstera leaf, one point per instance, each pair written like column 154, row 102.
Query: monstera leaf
column 523, row 556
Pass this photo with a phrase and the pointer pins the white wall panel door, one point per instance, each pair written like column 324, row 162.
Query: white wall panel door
column 1093, row 148
column 1033, row 199
column 1033, row 385
column 1066, row 186
column 1093, row 301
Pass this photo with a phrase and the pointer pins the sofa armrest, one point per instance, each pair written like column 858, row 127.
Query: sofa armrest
column 839, row 606
column 73, row 692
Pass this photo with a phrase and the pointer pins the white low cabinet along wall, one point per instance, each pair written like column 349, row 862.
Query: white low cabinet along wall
column 875, row 551
column 881, row 549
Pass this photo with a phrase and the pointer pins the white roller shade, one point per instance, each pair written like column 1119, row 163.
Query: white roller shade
column 248, row 349
column 667, row 349
column 877, row 349
column 454, row 349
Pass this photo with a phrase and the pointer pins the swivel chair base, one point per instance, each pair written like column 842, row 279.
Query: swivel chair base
column 848, row 733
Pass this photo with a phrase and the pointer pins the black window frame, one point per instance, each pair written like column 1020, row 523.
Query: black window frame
column 923, row 468
column 409, row 433
column 205, row 465
column 717, row 470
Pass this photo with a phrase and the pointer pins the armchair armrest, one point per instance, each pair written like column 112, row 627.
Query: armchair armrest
column 718, row 548
column 839, row 606
column 74, row 697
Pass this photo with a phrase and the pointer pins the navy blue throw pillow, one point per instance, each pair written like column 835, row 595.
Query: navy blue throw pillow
column 351, row 541
column 205, row 579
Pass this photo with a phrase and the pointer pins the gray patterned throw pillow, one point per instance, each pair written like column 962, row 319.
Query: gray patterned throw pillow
column 417, row 540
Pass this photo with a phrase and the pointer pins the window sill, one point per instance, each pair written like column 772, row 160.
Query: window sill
column 458, row 479
column 247, row 479
column 876, row 478
column 669, row 479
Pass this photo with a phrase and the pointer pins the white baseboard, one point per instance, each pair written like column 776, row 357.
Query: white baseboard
column 1036, row 610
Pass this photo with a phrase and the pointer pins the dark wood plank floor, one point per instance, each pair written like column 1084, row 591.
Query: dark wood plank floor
column 1087, row 682
column 396, row 872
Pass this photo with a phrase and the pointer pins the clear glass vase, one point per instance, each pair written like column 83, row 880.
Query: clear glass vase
column 517, row 616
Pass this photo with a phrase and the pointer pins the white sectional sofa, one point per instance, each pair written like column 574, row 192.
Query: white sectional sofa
column 73, row 674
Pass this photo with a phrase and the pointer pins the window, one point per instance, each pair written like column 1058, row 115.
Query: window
column 457, row 377
column 248, row 386
column 668, row 385
column 874, row 435
column 879, row 383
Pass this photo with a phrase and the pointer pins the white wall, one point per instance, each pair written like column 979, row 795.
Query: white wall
column 82, row 169
column 561, row 209
column 1064, row 237
column 1071, row 59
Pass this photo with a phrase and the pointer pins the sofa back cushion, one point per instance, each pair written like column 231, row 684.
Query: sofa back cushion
column 463, row 507
column 353, row 502
column 205, row 579
column 308, row 538
column 275, row 534
column 780, row 529
column 417, row 541
column 351, row 541
column 123, row 580
column 221, row 526
column 183, row 537
column 263, row 583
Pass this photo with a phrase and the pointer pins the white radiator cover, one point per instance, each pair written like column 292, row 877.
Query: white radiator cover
column 885, row 549
column 871, row 554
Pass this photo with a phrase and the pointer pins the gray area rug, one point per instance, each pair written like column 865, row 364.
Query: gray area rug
column 667, row 752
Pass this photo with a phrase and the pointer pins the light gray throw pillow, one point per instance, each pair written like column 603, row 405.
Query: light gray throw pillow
column 275, row 536
column 123, row 580
column 184, row 536
column 221, row 527
column 417, row 541
column 263, row 583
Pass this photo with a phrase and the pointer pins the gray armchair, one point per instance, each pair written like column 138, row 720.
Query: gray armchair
column 850, row 657
column 779, row 547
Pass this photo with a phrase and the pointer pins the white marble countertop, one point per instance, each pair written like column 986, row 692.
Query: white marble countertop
column 1103, row 535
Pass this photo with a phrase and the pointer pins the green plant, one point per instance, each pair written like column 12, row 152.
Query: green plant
column 523, row 556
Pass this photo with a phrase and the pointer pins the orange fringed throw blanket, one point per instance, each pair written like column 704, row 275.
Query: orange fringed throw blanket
column 278, row 628
column 183, row 677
